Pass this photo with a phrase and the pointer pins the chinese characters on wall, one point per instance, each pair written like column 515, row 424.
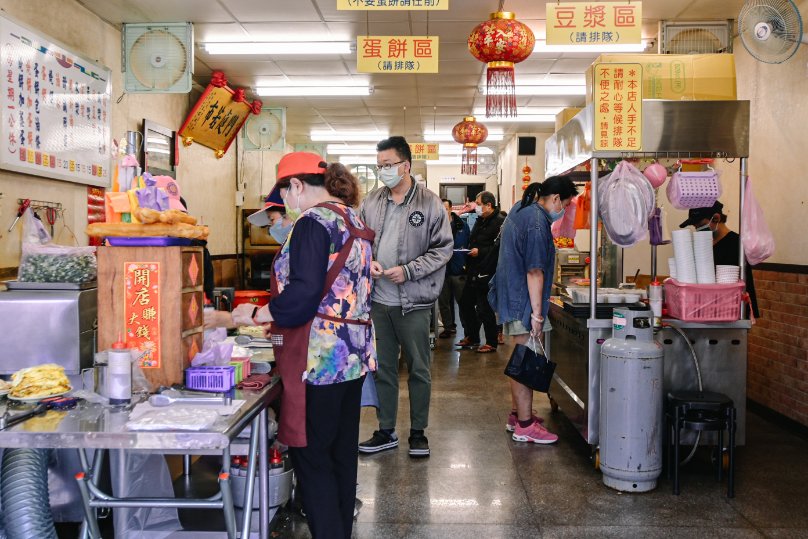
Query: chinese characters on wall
column 392, row 5
column 594, row 23
column 618, row 107
column 56, row 109
column 397, row 54
column 424, row 151
column 142, row 310
column 216, row 119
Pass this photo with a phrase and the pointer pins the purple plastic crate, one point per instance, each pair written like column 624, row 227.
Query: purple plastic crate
column 147, row 241
column 210, row 378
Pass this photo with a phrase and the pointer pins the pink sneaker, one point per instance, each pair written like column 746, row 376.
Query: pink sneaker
column 535, row 433
column 510, row 426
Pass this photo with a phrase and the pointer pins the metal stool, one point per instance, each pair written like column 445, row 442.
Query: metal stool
column 701, row 411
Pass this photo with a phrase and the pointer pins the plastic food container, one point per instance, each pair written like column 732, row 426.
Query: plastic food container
column 280, row 487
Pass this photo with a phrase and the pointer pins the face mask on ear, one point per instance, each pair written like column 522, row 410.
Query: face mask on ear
column 478, row 210
column 280, row 232
column 556, row 215
column 390, row 178
column 292, row 213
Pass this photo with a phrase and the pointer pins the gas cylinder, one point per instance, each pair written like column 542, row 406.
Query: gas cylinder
column 631, row 422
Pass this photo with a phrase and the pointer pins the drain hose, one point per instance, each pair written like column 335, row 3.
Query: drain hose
column 24, row 492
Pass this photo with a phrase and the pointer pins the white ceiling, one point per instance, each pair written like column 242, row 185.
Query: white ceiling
column 438, row 100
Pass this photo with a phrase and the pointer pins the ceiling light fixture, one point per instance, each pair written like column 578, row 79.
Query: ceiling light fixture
column 350, row 136
column 280, row 47
column 546, row 89
column 524, row 118
column 444, row 149
column 617, row 47
column 313, row 91
column 529, row 111
column 447, row 137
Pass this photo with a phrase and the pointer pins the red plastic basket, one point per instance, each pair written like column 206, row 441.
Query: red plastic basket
column 704, row 302
column 210, row 378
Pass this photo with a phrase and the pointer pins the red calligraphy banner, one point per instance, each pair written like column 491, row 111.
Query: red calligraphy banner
column 142, row 310
column 618, row 107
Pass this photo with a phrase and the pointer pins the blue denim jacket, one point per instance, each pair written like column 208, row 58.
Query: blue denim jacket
column 526, row 244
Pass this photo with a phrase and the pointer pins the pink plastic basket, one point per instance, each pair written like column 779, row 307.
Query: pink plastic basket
column 704, row 302
column 210, row 378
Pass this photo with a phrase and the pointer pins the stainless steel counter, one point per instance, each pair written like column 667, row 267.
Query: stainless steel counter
column 575, row 347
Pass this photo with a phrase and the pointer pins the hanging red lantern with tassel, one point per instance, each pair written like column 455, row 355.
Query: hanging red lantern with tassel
column 526, row 170
column 501, row 42
column 469, row 133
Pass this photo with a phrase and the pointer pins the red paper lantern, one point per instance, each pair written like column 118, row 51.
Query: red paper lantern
column 469, row 133
column 526, row 169
column 501, row 42
column 526, row 178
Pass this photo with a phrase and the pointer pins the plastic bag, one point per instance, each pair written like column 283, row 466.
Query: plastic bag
column 758, row 242
column 583, row 210
column 626, row 201
column 215, row 351
column 46, row 262
column 565, row 227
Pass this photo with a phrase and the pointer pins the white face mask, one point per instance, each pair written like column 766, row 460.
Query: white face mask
column 391, row 177
column 478, row 210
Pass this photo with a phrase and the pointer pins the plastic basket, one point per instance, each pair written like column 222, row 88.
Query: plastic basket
column 694, row 189
column 242, row 365
column 210, row 378
column 704, row 302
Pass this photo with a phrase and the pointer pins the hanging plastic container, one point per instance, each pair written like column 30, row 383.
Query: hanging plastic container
column 688, row 190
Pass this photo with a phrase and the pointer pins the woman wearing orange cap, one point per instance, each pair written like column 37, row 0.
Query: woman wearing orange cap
column 322, row 334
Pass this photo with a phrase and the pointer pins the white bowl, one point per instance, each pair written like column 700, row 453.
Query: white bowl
column 614, row 298
column 632, row 298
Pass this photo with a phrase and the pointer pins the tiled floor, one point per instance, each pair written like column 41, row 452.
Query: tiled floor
column 478, row 483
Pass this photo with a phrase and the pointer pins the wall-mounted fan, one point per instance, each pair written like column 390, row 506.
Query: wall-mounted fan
column 157, row 58
column 771, row 30
column 695, row 37
column 266, row 130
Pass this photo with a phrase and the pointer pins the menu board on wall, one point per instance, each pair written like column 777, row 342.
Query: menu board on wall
column 55, row 109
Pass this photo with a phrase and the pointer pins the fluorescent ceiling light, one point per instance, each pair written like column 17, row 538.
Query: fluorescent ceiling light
column 351, row 136
column 358, row 160
column 447, row 137
column 523, row 118
column 280, row 47
column 310, row 91
column 444, row 149
column 545, row 89
column 635, row 47
column 527, row 111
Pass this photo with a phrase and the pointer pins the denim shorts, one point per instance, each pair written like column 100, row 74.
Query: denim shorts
column 516, row 327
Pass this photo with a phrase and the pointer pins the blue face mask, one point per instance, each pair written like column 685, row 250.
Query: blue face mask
column 279, row 232
column 556, row 215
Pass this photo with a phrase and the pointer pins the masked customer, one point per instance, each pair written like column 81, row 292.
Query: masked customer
column 726, row 243
column 520, row 290
column 322, row 334
column 412, row 247
column 455, row 274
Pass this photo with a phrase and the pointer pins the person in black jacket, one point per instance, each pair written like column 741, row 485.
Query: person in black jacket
column 455, row 274
column 480, row 267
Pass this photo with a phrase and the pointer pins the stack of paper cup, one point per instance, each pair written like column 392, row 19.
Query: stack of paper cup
column 703, row 254
column 727, row 274
column 683, row 252
column 672, row 267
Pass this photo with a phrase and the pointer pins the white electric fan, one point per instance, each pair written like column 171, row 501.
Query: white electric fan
column 264, row 131
column 157, row 57
column 771, row 30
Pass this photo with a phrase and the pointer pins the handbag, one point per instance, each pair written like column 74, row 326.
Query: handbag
column 530, row 368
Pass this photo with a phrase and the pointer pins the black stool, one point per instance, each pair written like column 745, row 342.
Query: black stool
column 701, row 411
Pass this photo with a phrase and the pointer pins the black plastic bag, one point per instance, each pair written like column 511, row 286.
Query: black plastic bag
column 530, row 368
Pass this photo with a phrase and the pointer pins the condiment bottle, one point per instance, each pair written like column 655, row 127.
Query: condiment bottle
column 119, row 374
column 275, row 462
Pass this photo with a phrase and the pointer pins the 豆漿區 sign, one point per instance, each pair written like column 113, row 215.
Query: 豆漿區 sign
column 424, row 151
column 392, row 5
column 142, row 310
column 618, row 107
column 397, row 54
column 594, row 23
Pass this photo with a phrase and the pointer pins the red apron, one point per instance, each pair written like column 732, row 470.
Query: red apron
column 291, row 345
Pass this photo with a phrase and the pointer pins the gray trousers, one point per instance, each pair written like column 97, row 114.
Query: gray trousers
column 451, row 292
column 407, row 333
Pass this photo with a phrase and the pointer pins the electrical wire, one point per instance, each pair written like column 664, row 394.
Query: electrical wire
column 698, row 379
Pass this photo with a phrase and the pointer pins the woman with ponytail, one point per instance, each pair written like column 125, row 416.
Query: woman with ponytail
column 520, row 289
column 322, row 334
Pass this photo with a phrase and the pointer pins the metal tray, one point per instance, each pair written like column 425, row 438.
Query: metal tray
column 21, row 285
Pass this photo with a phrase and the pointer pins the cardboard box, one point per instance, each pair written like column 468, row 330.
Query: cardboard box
column 565, row 116
column 699, row 77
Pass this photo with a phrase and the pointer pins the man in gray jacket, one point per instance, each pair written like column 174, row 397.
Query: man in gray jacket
column 412, row 247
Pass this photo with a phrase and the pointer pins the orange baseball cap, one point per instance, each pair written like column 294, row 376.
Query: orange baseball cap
column 300, row 163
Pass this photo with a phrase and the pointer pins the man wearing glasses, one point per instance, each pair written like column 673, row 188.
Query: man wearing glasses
column 412, row 247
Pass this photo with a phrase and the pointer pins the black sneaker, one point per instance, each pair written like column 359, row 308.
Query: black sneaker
column 380, row 441
column 419, row 445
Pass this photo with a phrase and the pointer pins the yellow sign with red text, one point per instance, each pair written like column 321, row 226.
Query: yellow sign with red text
column 594, row 23
column 618, row 107
column 397, row 54
column 142, row 310
column 392, row 5
column 424, row 151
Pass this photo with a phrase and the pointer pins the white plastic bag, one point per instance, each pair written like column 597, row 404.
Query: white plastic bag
column 758, row 242
column 46, row 262
column 625, row 202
